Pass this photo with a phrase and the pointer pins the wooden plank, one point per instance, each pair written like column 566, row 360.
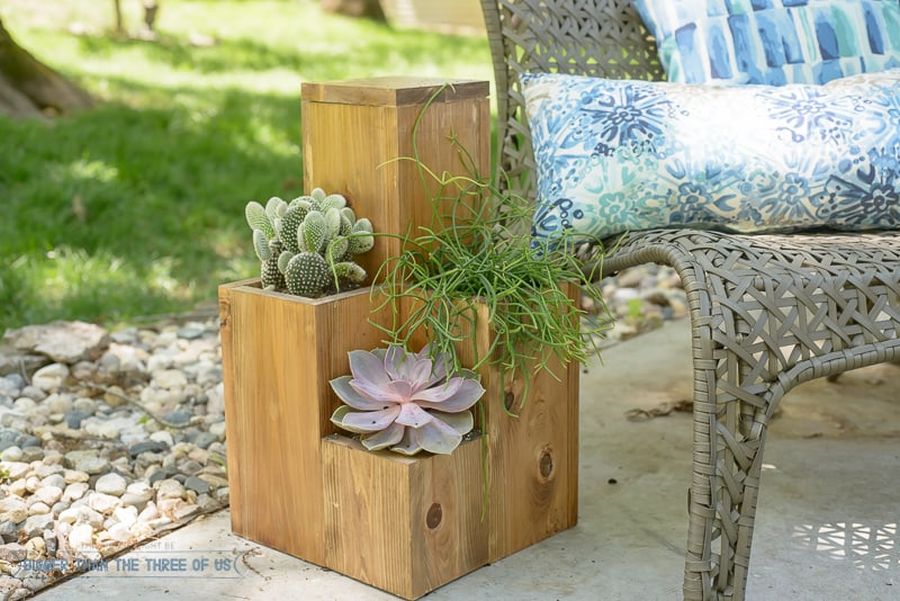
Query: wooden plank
column 341, row 327
column 279, row 353
column 265, row 410
column 532, row 458
column 226, row 337
column 367, row 504
column 533, row 474
column 406, row 525
column 572, row 401
column 447, row 527
column 349, row 149
column 468, row 123
column 362, row 151
column 393, row 91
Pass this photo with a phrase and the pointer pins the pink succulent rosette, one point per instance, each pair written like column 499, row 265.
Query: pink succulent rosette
column 405, row 401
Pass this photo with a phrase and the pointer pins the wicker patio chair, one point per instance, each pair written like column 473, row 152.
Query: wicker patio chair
column 767, row 312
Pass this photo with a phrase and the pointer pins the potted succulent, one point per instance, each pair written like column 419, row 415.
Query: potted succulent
column 306, row 248
column 406, row 402
column 284, row 336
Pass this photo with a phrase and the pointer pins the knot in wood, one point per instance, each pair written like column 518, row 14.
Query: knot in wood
column 434, row 516
column 546, row 463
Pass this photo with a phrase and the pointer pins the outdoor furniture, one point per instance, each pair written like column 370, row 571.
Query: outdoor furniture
column 767, row 312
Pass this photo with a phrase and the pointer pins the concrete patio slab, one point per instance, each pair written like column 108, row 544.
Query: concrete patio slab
column 827, row 527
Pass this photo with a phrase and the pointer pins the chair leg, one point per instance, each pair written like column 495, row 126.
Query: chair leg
column 729, row 436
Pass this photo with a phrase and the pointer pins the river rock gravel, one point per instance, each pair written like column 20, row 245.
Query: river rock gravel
column 638, row 300
column 106, row 439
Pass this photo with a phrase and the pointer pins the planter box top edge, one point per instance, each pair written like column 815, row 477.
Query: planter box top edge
column 252, row 286
column 352, row 443
column 393, row 91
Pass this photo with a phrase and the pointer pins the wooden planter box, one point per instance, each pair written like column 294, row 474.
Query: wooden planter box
column 406, row 525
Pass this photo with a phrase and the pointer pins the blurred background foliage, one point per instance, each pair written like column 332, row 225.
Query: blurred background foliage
column 134, row 208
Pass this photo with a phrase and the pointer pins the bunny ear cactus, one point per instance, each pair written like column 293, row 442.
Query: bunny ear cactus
column 322, row 202
column 290, row 223
column 270, row 274
column 348, row 218
column 406, row 401
column 349, row 271
column 258, row 219
column 361, row 238
column 306, row 247
column 261, row 245
column 307, row 274
column 314, row 232
column 275, row 208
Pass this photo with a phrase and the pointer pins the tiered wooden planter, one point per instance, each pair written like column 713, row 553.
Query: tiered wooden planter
column 405, row 525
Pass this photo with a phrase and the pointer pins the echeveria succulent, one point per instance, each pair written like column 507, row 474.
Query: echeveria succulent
column 406, row 401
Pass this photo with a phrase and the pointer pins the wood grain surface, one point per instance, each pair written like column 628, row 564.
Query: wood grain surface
column 279, row 353
column 406, row 525
column 364, row 152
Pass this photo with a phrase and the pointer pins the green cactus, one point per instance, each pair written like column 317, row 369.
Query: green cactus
column 350, row 272
column 306, row 247
column 361, row 238
column 290, row 223
column 323, row 202
column 307, row 274
column 275, row 208
column 270, row 275
column 258, row 219
column 348, row 218
column 271, row 278
column 337, row 248
column 261, row 245
column 283, row 260
column 333, row 222
column 315, row 232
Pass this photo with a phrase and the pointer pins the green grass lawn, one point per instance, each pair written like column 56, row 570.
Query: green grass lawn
column 136, row 208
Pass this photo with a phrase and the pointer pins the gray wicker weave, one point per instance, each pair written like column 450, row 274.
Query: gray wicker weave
column 768, row 312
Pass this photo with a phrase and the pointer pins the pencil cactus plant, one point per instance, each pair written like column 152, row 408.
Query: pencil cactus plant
column 406, row 401
column 307, row 247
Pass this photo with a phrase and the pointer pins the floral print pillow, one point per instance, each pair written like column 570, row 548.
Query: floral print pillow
column 614, row 156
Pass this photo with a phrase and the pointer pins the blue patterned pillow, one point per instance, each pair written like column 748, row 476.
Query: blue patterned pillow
column 773, row 42
column 614, row 156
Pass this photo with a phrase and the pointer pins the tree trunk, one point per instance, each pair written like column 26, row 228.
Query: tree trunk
column 370, row 9
column 28, row 87
column 120, row 20
column 151, row 8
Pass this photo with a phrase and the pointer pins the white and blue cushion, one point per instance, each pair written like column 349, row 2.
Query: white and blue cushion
column 774, row 42
column 614, row 156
